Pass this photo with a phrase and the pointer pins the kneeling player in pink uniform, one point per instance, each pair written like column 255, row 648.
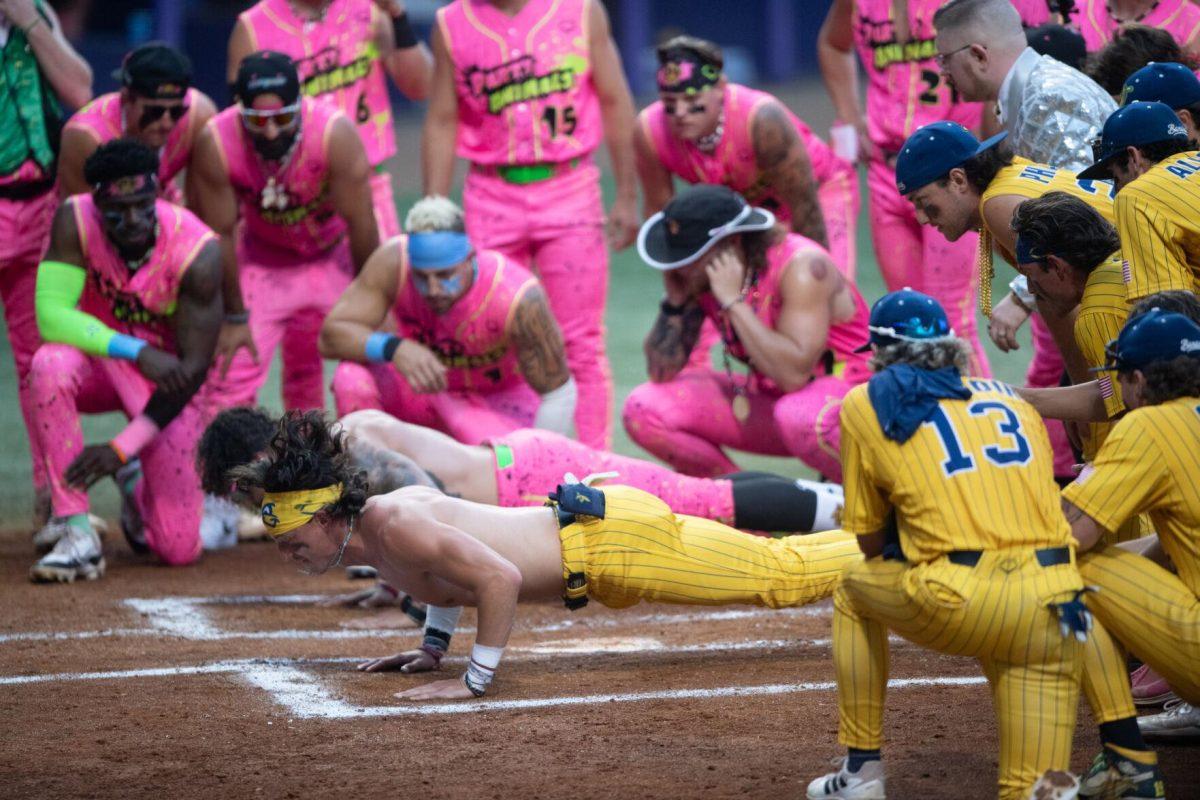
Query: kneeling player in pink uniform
column 782, row 308
column 705, row 129
column 476, row 352
column 155, row 106
column 129, row 303
column 306, row 226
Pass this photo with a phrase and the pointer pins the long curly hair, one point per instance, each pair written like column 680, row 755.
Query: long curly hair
column 235, row 437
column 307, row 452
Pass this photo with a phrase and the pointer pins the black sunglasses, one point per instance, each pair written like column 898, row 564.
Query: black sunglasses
column 152, row 112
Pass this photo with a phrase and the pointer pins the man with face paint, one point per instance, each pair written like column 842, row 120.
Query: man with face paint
column 284, row 180
column 476, row 352
column 129, row 304
column 155, row 106
column 782, row 308
column 342, row 49
column 524, row 90
column 957, row 184
column 618, row 546
column 705, row 129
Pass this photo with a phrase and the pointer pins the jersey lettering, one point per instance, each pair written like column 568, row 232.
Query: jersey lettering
column 956, row 460
column 1014, row 450
column 1042, row 175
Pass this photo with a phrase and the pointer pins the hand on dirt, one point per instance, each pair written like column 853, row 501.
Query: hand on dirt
column 374, row 597
column 449, row 689
column 409, row 661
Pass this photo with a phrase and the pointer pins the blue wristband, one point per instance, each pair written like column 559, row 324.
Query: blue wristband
column 125, row 347
column 381, row 347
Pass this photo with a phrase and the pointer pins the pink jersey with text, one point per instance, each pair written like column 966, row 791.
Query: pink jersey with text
column 524, row 83
column 766, row 299
column 1180, row 18
column 307, row 225
column 337, row 59
column 471, row 339
column 138, row 302
column 904, row 85
column 732, row 161
column 104, row 121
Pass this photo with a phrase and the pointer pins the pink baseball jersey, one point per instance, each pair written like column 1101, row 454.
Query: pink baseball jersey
column 1180, row 18
column 337, row 58
column 732, row 162
column 905, row 89
column 471, row 339
column 766, row 299
column 524, row 83
column 104, row 120
column 286, row 206
column 138, row 302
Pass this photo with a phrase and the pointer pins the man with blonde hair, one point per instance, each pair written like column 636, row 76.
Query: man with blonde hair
column 476, row 352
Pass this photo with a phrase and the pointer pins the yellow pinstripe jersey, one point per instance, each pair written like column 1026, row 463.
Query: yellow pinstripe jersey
column 1102, row 313
column 978, row 476
column 1029, row 179
column 1158, row 218
column 1151, row 463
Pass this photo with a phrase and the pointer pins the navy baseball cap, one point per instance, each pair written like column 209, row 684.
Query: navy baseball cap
column 1169, row 83
column 906, row 316
column 1155, row 336
column 935, row 149
column 1132, row 126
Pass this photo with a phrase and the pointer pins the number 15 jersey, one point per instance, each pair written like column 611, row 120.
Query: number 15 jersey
column 979, row 475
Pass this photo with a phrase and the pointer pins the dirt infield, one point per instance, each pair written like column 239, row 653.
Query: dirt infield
column 223, row 680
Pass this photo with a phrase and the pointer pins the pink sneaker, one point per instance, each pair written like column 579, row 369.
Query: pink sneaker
column 1149, row 688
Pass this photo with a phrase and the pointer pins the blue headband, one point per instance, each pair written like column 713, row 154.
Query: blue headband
column 438, row 249
column 1025, row 254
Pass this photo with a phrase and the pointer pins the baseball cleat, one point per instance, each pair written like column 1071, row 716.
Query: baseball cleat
column 1114, row 778
column 77, row 554
column 866, row 784
column 1055, row 785
column 1177, row 720
column 219, row 523
column 1149, row 688
column 49, row 534
column 132, row 525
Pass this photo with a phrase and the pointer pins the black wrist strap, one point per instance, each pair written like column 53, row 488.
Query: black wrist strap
column 406, row 37
column 669, row 309
column 389, row 349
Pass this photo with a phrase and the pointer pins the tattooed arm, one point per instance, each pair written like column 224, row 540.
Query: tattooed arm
column 672, row 340
column 782, row 158
column 388, row 470
column 543, row 361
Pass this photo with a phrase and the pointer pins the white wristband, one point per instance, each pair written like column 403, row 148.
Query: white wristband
column 482, row 667
column 1020, row 287
column 843, row 139
column 442, row 619
column 557, row 410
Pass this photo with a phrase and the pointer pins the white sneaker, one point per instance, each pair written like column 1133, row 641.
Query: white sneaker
column 866, row 784
column 1177, row 719
column 1055, row 785
column 76, row 554
column 55, row 527
column 219, row 524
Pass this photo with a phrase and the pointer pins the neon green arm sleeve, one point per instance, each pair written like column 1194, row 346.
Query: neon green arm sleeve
column 59, row 287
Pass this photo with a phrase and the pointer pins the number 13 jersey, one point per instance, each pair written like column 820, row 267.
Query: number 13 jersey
column 524, row 83
column 979, row 475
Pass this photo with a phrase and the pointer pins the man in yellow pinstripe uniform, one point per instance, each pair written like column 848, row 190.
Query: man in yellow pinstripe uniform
column 1156, row 168
column 618, row 546
column 988, row 571
column 1149, row 463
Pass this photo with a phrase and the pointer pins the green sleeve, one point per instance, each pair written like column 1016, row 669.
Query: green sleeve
column 59, row 287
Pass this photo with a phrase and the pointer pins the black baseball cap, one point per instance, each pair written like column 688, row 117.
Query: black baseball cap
column 267, row 72
column 694, row 221
column 155, row 70
column 1059, row 42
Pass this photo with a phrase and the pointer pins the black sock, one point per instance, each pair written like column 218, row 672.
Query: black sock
column 855, row 758
column 1123, row 733
column 766, row 502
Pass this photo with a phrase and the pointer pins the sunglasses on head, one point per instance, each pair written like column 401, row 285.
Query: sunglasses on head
column 283, row 117
column 152, row 112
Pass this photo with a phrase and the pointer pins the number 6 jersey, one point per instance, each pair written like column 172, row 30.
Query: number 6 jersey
column 524, row 83
column 979, row 475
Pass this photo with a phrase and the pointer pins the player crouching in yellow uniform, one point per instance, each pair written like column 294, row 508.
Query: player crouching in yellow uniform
column 987, row 568
column 1149, row 463
column 618, row 546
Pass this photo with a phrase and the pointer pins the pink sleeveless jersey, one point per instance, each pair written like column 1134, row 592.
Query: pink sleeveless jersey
column 904, row 85
column 524, row 83
column 138, row 302
column 1180, row 18
column 766, row 299
column 337, row 59
column 471, row 339
column 103, row 121
column 732, row 162
column 307, row 225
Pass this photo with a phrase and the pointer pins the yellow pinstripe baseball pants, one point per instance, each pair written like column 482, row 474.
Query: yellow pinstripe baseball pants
column 1151, row 612
column 643, row 551
column 997, row 612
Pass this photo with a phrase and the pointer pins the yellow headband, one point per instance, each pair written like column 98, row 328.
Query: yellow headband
column 283, row 512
